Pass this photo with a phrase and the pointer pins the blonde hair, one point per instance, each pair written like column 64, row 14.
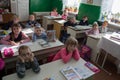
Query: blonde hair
column 24, row 49
column 71, row 41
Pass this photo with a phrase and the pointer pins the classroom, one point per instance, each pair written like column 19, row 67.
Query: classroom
column 59, row 40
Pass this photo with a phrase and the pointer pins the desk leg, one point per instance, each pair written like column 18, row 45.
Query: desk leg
column 103, row 63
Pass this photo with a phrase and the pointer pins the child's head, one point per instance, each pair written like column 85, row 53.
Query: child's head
column 72, row 19
column 105, row 24
column 32, row 17
column 85, row 18
column 16, row 28
column 95, row 25
column 38, row 30
column 15, row 19
column 54, row 9
column 71, row 43
column 25, row 52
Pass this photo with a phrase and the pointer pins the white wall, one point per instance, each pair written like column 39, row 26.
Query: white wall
column 95, row 2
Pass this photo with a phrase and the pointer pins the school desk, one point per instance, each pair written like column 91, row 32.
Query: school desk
column 39, row 51
column 78, row 31
column 58, row 26
column 48, row 20
column 52, row 69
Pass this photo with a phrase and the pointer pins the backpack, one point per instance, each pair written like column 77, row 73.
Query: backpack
column 85, row 52
column 2, row 64
column 8, row 52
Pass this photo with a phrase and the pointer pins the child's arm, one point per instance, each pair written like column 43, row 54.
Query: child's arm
column 5, row 40
column 35, row 65
column 76, row 54
column 65, row 56
column 20, row 68
column 25, row 38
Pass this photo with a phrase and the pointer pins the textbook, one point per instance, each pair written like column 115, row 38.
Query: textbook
column 70, row 73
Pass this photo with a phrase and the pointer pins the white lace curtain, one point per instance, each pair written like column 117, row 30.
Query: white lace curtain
column 71, row 3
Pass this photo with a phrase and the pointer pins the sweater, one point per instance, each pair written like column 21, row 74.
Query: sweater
column 65, row 56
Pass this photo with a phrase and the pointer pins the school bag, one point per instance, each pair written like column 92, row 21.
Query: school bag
column 2, row 64
column 8, row 52
column 85, row 52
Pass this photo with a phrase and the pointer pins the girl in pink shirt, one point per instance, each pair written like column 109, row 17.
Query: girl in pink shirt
column 69, row 51
column 54, row 12
column 16, row 37
column 65, row 15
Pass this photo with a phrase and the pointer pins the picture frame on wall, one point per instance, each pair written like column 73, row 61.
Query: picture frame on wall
column 90, row 1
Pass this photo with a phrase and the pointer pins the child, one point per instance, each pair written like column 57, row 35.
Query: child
column 15, row 19
column 71, row 22
column 69, row 51
column 32, row 22
column 39, row 33
column 25, row 61
column 16, row 37
column 54, row 12
column 84, row 21
column 94, row 30
column 65, row 15
column 104, row 27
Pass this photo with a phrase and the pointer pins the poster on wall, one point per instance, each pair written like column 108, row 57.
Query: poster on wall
column 90, row 1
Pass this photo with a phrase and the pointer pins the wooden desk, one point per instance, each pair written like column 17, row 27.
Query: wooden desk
column 58, row 25
column 51, row 69
column 39, row 51
column 48, row 20
column 77, row 31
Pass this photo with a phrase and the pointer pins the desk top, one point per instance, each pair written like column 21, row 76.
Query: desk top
column 34, row 46
column 51, row 69
column 60, row 21
column 53, row 17
column 79, row 27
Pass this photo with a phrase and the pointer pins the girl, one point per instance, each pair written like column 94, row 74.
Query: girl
column 65, row 15
column 69, row 51
column 39, row 33
column 25, row 61
column 32, row 22
column 16, row 37
column 54, row 12
column 94, row 30
column 104, row 27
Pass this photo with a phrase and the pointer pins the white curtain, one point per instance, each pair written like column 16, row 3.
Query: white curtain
column 71, row 3
column 115, row 7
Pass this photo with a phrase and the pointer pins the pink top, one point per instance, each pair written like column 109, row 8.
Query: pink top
column 54, row 13
column 64, row 16
column 62, row 54
column 6, row 39
column 92, row 31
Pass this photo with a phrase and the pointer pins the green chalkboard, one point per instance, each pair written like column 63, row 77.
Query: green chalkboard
column 92, row 11
column 40, row 6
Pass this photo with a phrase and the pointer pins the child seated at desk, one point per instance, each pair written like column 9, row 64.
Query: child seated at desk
column 84, row 21
column 15, row 19
column 39, row 33
column 25, row 61
column 65, row 15
column 69, row 51
column 32, row 22
column 54, row 12
column 94, row 30
column 71, row 22
column 104, row 27
column 16, row 37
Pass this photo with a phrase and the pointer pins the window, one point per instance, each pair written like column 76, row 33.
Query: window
column 111, row 10
column 71, row 5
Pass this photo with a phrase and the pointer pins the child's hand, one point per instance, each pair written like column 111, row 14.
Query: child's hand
column 31, row 57
column 21, row 58
column 14, row 43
